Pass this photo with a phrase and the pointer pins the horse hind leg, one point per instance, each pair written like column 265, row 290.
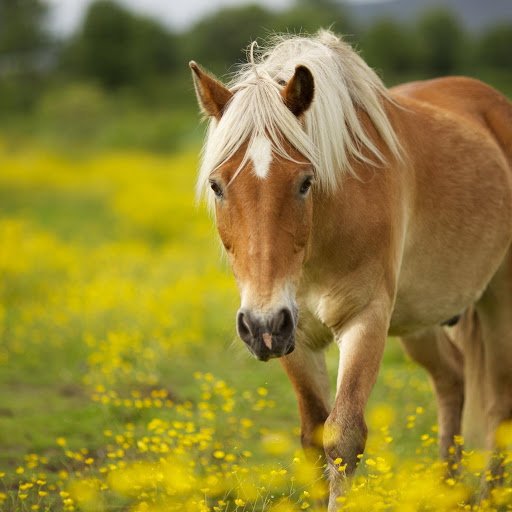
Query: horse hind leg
column 434, row 350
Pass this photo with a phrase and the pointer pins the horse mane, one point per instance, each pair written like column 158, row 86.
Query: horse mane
column 330, row 134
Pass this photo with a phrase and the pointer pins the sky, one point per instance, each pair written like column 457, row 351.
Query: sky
column 65, row 15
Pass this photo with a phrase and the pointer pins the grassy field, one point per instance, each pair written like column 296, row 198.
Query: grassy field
column 122, row 384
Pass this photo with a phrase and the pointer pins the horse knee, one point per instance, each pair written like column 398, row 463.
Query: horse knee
column 313, row 418
column 344, row 442
column 311, row 440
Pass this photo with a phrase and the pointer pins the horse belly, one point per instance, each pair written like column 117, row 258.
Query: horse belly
column 458, row 234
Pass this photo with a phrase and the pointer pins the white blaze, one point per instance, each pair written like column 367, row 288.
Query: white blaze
column 283, row 296
column 260, row 152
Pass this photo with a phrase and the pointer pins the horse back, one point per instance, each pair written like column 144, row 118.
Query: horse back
column 473, row 100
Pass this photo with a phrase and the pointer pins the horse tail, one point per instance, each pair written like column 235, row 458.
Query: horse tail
column 499, row 119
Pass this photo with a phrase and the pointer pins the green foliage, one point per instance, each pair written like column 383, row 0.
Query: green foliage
column 76, row 112
column 21, row 27
column 79, row 107
column 218, row 40
column 118, row 48
column 442, row 42
column 308, row 16
column 390, row 47
column 24, row 46
column 495, row 49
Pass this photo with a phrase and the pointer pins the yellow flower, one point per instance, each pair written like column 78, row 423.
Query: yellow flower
column 458, row 440
column 504, row 435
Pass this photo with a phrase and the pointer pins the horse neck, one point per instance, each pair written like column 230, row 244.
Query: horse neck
column 352, row 222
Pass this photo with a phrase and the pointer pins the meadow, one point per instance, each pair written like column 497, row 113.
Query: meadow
column 122, row 384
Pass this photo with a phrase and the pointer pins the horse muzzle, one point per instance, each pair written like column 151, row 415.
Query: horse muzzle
column 268, row 337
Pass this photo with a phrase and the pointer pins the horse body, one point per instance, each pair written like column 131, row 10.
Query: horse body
column 405, row 241
column 451, row 149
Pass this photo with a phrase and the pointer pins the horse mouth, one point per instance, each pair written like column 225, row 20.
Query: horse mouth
column 264, row 354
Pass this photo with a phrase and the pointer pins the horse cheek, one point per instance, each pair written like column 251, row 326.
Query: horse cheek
column 303, row 230
column 225, row 230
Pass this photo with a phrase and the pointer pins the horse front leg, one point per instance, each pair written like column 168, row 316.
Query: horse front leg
column 361, row 344
column 307, row 371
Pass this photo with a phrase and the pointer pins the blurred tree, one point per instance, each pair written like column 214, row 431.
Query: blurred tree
column 311, row 15
column 24, row 52
column 495, row 47
column 21, row 27
column 217, row 41
column 442, row 42
column 390, row 47
column 118, row 48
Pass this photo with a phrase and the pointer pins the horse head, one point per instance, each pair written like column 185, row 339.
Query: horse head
column 260, row 186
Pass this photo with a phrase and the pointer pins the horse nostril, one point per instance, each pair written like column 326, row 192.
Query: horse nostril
column 243, row 324
column 284, row 323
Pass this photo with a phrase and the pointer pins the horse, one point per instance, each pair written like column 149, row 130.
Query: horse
column 350, row 212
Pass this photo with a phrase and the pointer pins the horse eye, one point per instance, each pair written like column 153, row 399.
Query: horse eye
column 217, row 190
column 306, row 185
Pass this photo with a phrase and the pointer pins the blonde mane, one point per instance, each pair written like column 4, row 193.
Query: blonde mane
column 330, row 134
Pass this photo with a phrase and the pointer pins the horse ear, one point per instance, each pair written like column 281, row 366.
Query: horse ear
column 299, row 91
column 211, row 94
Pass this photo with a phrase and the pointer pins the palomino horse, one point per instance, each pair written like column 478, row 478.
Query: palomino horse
column 350, row 212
